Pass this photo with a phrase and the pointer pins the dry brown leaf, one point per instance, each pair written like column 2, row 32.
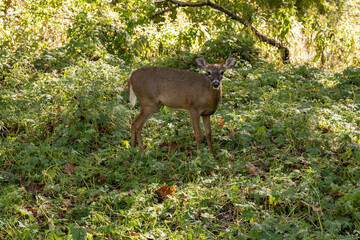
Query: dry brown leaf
column 336, row 194
column 164, row 192
column 34, row 187
column 126, row 163
column 184, row 196
column 69, row 168
column 67, row 204
column 346, row 163
column 244, row 91
column 131, row 233
column 304, row 162
column 88, row 229
column 30, row 209
column 221, row 122
column 100, row 177
column 293, row 166
column 246, row 190
column 251, row 169
column 171, row 147
column 315, row 207
column 13, row 127
column 232, row 134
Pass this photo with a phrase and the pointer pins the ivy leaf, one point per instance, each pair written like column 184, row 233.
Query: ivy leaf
column 77, row 232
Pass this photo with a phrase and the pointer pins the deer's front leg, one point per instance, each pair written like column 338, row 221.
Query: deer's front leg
column 195, row 119
column 207, row 126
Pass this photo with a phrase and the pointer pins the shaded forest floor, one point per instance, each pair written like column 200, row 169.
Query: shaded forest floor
column 287, row 145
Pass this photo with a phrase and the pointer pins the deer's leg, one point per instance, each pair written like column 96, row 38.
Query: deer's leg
column 195, row 119
column 133, row 131
column 207, row 126
column 138, row 123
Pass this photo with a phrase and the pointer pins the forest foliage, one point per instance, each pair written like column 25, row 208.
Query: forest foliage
column 286, row 136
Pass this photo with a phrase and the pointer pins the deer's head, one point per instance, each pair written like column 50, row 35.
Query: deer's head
column 215, row 72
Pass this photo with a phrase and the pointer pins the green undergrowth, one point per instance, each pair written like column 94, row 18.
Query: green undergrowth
column 286, row 140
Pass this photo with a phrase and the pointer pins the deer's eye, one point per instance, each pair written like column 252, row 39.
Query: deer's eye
column 208, row 73
column 221, row 72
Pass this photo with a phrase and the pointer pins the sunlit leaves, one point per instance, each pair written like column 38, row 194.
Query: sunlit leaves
column 287, row 139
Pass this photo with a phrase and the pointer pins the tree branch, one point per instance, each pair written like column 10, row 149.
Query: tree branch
column 262, row 37
column 165, row 10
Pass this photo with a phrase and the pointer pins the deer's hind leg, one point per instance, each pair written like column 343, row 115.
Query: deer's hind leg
column 138, row 123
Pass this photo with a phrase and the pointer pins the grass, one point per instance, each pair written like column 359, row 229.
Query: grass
column 287, row 145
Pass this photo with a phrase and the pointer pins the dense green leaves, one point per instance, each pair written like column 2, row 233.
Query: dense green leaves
column 297, row 126
column 286, row 138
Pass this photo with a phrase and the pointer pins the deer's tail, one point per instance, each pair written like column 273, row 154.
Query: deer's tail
column 132, row 96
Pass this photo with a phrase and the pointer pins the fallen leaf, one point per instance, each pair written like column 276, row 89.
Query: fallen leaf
column 293, row 166
column 221, row 122
column 13, row 127
column 246, row 190
column 49, row 126
column 126, row 163
column 315, row 207
column 244, row 91
column 34, row 187
column 232, row 134
column 346, row 163
column 88, row 229
column 30, row 209
column 336, row 194
column 100, row 177
column 94, row 58
column 69, row 168
column 164, row 192
column 184, row 196
column 251, row 169
column 171, row 147
column 304, row 162
column 67, row 204
column 131, row 233
column 323, row 129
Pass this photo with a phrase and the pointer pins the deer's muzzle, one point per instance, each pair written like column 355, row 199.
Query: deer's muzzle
column 216, row 84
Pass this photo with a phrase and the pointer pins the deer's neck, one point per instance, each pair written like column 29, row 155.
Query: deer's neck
column 216, row 93
column 212, row 101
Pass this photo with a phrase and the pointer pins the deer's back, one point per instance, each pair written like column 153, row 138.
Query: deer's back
column 166, row 76
column 175, row 88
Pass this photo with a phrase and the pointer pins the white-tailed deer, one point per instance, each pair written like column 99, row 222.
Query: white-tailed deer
column 199, row 94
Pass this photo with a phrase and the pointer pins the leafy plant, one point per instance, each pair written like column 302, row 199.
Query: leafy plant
column 286, row 137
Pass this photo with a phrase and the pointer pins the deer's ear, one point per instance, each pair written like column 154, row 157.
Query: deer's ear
column 230, row 62
column 201, row 63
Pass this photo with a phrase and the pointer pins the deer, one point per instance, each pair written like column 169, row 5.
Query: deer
column 196, row 93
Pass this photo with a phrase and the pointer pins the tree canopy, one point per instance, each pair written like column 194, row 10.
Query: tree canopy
column 321, row 33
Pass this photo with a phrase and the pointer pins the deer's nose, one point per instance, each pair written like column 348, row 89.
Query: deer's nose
column 215, row 84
